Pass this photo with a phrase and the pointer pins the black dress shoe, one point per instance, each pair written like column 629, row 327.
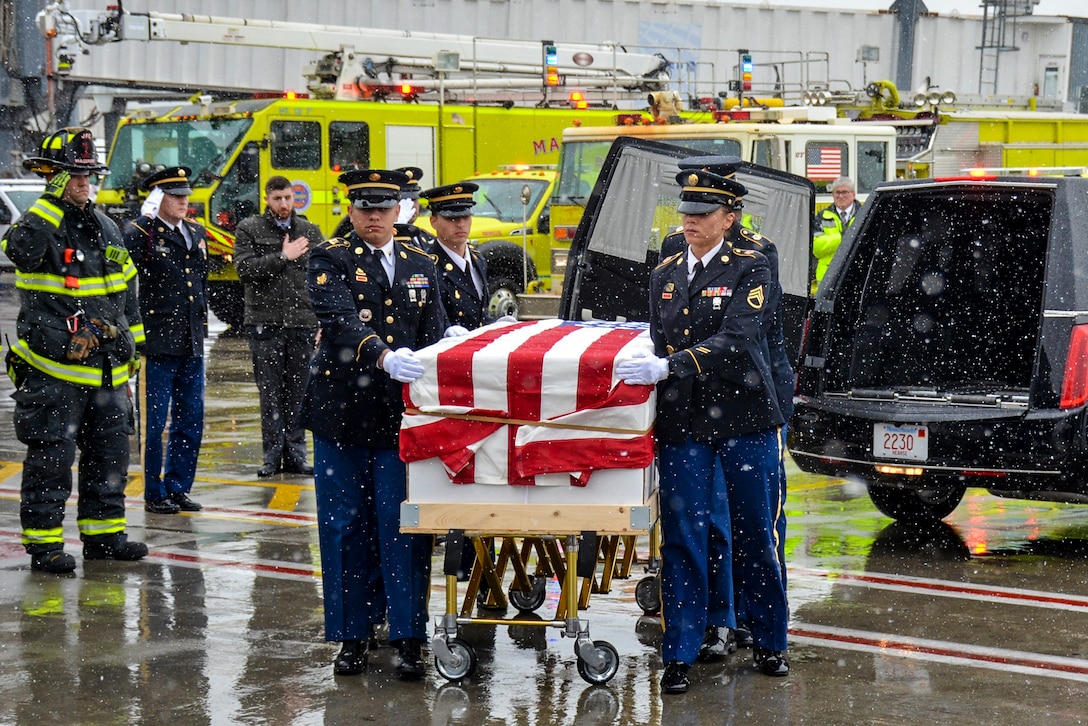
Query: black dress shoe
column 57, row 562
column 117, row 547
column 268, row 470
column 770, row 662
column 303, row 469
column 352, row 658
column 161, row 506
column 718, row 642
column 744, row 635
column 675, row 678
column 410, row 663
column 184, row 503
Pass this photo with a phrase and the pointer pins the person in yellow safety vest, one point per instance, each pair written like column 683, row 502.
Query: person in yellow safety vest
column 77, row 329
column 833, row 223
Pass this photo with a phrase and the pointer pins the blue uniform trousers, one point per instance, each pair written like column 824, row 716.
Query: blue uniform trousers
column 370, row 571
column 721, row 546
column 175, row 385
column 692, row 507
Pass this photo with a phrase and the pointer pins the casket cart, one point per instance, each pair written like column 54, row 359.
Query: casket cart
column 520, row 431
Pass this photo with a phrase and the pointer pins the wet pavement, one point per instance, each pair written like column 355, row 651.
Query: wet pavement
column 983, row 619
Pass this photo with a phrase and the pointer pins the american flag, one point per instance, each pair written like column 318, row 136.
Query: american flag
column 823, row 163
column 509, row 402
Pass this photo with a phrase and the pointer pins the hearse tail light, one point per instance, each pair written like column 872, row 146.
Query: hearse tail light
column 1075, row 381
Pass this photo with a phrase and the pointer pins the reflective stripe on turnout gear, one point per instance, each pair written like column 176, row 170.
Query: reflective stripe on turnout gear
column 53, row 535
column 48, row 211
column 81, row 375
column 100, row 527
column 112, row 283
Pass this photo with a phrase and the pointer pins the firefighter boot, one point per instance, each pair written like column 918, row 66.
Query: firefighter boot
column 57, row 562
column 113, row 547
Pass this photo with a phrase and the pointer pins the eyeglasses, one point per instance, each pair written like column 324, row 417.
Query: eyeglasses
column 841, row 192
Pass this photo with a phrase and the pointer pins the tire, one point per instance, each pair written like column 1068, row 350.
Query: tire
column 606, row 672
column 465, row 657
column 529, row 600
column 504, row 298
column 914, row 505
column 648, row 595
column 227, row 301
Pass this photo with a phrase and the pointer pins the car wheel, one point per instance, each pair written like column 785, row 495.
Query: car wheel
column 910, row 505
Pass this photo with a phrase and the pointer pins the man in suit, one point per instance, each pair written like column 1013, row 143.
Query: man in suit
column 171, row 255
column 376, row 301
column 716, row 405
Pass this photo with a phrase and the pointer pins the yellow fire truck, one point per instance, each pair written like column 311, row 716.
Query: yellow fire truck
column 384, row 108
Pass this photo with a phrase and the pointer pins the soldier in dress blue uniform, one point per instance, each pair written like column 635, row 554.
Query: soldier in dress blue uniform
column 717, row 641
column 408, row 211
column 171, row 254
column 716, row 401
column 377, row 301
column 461, row 269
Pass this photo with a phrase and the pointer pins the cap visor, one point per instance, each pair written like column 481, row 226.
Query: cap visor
column 178, row 191
column 375, row 203
column 688, row 207
column 454, row 213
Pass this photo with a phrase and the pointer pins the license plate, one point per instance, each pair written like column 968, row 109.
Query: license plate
column 900, row 442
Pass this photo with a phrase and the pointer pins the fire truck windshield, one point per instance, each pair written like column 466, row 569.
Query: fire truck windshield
column 501, row 198
column 202, row 145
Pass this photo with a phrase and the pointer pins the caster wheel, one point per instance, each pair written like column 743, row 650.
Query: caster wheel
column 648, row 594
column 605, row 672
column 461, row 665
column 529, row 600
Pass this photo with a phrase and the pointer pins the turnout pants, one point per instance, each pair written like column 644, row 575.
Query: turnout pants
column 53, row 419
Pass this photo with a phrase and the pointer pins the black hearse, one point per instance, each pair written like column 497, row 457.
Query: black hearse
column 948, row 346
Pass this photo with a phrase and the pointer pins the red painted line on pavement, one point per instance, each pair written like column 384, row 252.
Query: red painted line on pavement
column 942, row 586
column 306, row 572
column 884, row 643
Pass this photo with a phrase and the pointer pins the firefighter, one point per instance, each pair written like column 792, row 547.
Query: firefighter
column 833, row 223
column 78, row 327
column 716, row 406
column 376, row 301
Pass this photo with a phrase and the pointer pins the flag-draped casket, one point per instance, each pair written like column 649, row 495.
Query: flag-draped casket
column 529, row 413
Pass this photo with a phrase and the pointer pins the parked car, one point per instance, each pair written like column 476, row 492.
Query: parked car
column 16, row 196
column 948, row 346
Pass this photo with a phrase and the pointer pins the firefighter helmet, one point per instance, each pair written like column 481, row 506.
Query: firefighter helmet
column 69, row 149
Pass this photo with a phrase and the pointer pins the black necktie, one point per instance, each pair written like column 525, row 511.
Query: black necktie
column 697, row 271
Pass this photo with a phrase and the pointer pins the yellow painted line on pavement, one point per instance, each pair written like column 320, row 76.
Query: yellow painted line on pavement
column 286, row 497
column 9, row 469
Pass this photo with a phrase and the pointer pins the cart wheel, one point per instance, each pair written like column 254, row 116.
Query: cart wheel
column 648, row 594
column 608, row 669
column 462, row 662
column 529, row 600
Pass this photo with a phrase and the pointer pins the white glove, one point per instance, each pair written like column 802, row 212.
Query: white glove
column 507, row 319
column 455, row 331
column 402, row 365
column 150, row 206
column 643, row 370
column 406, row 209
